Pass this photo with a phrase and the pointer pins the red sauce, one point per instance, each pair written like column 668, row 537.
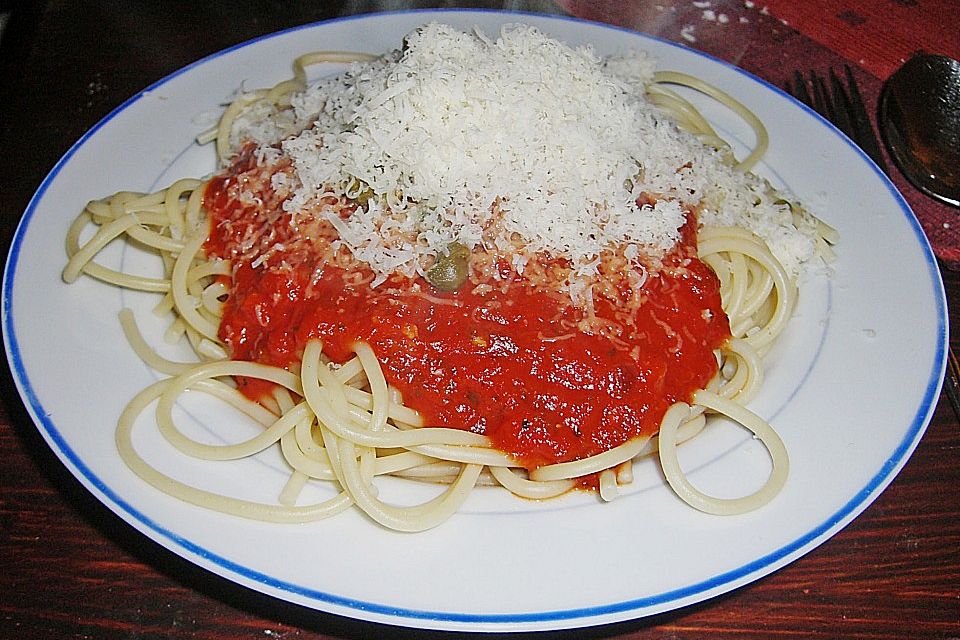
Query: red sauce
column 504, row 364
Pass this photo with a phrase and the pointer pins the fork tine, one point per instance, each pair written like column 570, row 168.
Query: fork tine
column 842, row 107
column 865, row 135
column 799, row 90
column 821, row 98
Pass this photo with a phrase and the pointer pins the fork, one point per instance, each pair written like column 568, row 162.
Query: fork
column 842, row 104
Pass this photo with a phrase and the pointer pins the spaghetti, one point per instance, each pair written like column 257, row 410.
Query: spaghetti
column 531, row 369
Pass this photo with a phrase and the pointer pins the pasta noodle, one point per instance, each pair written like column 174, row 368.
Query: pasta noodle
column 343, row 424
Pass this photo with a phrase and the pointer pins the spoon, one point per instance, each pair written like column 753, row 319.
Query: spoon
column 920, row 122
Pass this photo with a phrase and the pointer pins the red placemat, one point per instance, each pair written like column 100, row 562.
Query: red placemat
column 878, row 36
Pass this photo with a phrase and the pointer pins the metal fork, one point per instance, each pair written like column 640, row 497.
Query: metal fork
column 842, row 104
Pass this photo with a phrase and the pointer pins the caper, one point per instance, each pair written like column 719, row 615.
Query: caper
column 363, row 197
column 361, row 189
column 451, row 269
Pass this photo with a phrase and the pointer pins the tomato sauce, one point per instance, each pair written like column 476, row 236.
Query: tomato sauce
column 506, row 364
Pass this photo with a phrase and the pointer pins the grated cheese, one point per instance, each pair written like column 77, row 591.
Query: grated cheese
column 522, row 145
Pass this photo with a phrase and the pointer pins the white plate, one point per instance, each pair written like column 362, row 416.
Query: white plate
column 851, row 387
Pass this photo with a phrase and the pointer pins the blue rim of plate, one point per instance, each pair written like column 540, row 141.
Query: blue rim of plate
column 361, row 609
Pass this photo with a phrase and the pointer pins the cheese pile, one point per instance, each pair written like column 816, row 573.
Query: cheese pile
column 521, row 141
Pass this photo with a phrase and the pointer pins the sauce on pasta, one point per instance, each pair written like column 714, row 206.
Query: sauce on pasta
column 563, row 328
column 514, row 361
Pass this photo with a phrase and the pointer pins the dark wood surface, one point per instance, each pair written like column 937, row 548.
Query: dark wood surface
column 69, row 568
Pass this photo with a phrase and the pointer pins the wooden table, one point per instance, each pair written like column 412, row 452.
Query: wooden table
column 72, row 569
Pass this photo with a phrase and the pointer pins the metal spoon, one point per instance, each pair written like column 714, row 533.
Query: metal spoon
column 920, row 121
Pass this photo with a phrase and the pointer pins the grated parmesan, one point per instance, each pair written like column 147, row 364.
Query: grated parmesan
column 522, row 145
